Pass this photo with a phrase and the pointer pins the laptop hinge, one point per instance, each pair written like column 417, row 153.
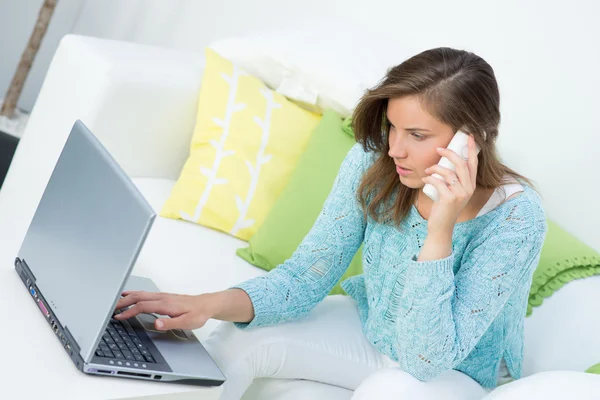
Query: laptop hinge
column 24, row 272
column 73, row 348
column 63, row 334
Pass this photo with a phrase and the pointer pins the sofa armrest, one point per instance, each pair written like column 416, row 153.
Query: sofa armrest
column 140, row 101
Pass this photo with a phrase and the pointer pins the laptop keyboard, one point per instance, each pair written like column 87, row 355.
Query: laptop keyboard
column 121, row 343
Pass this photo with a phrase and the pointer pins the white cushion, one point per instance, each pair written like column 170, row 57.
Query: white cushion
column 335, row 58
column 549, row 386
column 562, row 334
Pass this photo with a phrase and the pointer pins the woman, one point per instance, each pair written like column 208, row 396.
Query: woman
column 438, row 312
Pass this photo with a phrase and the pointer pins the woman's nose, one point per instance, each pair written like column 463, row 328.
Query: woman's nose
column 397, row 147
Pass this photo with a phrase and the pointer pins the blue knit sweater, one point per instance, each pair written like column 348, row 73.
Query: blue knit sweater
column 464, row 312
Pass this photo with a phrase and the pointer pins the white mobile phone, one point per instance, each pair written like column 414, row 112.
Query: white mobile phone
column 460, row 145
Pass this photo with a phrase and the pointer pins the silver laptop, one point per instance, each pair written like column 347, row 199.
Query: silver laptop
column 76, row 259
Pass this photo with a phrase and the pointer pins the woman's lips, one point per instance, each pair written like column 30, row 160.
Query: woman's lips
column 403, row 171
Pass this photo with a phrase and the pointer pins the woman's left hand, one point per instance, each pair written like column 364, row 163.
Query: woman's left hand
column 455, row 192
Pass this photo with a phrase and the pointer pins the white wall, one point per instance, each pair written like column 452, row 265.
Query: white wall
column 17, row 19
column 191, row 24
column 545, row 54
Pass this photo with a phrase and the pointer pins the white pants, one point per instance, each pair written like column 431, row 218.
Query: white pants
column 328, row 346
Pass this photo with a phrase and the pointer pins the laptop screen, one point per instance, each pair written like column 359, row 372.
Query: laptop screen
column 85, row 236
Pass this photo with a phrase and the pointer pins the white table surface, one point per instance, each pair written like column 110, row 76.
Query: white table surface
column 35, row 366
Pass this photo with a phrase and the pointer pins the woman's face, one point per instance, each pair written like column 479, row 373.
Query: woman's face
column 414, row 136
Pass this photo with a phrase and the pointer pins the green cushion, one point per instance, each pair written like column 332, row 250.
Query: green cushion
column 594, row 369
column 563, row 259
column 301, row 201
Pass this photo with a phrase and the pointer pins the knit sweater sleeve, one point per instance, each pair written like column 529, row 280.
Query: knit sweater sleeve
column 441, row 317
column 294, row 288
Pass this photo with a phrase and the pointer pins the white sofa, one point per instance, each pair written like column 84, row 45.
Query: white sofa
column 141, row 103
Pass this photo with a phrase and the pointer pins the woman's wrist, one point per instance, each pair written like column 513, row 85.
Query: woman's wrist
column 228, row 305
column 212, row 304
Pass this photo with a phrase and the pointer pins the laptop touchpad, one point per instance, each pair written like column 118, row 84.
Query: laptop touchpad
column 147, row 322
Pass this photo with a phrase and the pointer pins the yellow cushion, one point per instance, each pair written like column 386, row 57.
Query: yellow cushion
column 245, row 146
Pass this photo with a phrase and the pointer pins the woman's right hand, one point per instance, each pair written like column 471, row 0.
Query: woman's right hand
column 186, row 312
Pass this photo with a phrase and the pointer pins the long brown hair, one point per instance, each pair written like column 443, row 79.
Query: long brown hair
column 458, row 88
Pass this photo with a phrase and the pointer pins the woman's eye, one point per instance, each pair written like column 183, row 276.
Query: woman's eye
column 417, row 136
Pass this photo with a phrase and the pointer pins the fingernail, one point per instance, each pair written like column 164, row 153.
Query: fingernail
column 440, row 148
column 159, row 324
